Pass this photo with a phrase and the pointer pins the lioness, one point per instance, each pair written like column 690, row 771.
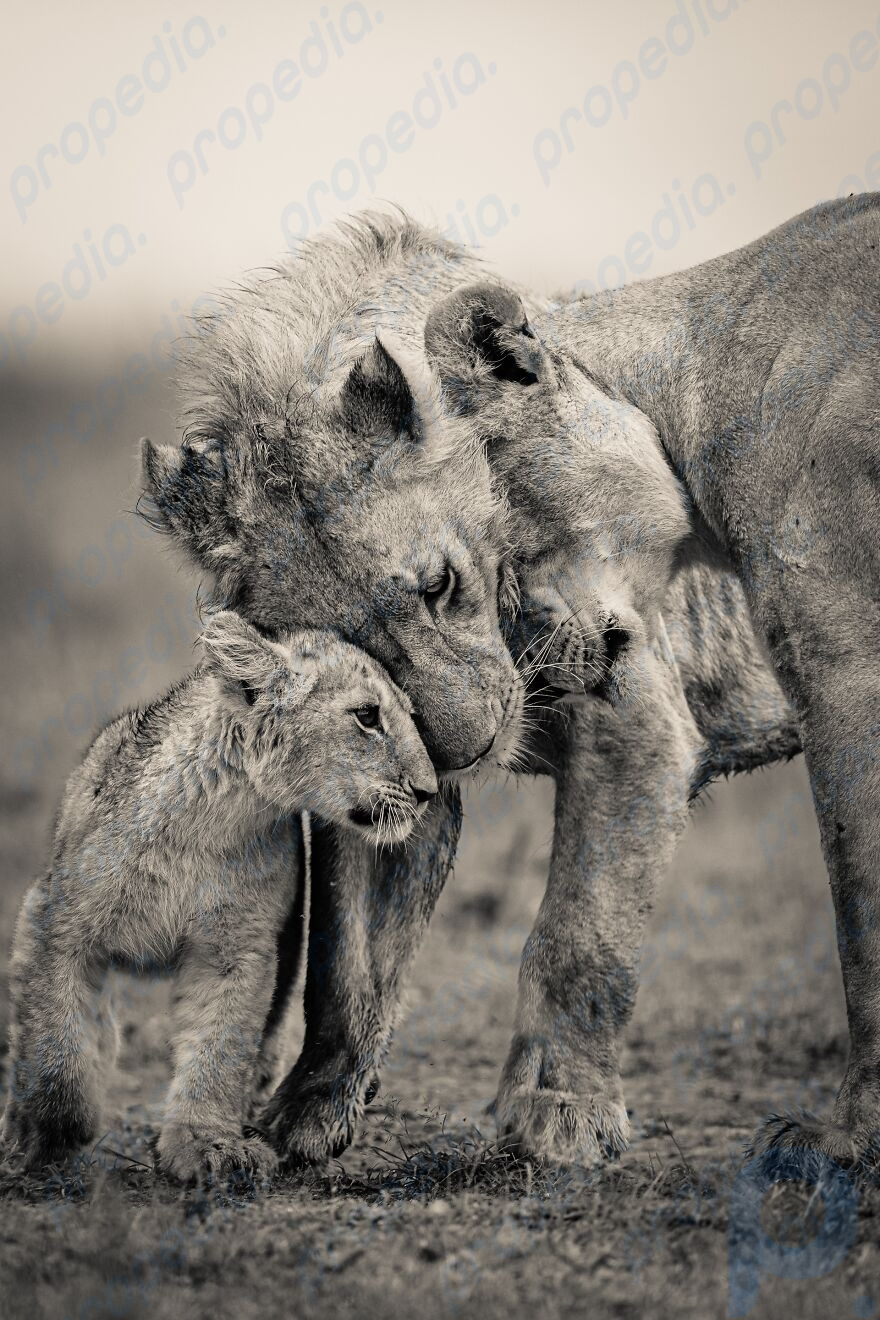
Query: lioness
column 178, row 840
column 760, row 371
column 323, row 483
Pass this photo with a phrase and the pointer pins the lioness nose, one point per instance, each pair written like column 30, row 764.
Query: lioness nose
column 422, row 794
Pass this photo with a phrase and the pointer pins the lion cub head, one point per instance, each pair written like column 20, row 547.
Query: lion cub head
column 323, row 728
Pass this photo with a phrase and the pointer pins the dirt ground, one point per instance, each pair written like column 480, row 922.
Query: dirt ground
column 425, row 1216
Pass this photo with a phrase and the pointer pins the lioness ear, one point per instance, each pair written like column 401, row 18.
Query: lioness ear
column 479, row 329
column 236, row 651
column 186, row 494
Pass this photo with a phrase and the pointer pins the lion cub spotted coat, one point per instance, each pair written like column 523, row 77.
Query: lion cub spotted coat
column 179, row 840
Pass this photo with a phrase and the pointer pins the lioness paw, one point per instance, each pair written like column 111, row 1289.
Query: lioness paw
column 561, row 1126
column 803, row 1131
column 309, row 1133
column 313, row 1116
column 188, row 1154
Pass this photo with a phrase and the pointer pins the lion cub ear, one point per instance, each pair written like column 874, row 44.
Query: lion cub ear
column 479, row 331
column 236, row 651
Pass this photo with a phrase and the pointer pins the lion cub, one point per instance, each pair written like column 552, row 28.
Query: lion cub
column 178, row 840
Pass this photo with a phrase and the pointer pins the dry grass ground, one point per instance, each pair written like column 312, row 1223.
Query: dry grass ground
column 425, row 1216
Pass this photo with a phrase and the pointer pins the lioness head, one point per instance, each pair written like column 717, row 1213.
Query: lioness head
column 597, row 516
column 321, row 485
column 323, row 728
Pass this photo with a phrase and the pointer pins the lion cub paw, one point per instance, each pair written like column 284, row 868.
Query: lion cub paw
column 188, row 1154
column 35, row 1141
column 563, row 1127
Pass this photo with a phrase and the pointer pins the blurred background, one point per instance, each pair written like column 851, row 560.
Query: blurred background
column 154, row 155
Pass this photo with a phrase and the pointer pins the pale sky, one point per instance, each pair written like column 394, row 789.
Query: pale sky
column 689, row 120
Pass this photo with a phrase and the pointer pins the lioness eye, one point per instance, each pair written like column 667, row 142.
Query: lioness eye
column 367, row 717
column 438, row 591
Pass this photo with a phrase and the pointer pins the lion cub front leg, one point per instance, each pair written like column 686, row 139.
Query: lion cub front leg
column 621, row 802
column 62, row 1034
column 222, row 998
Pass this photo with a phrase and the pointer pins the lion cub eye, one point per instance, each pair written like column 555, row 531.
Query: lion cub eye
column 438, row 592
column 368, row 718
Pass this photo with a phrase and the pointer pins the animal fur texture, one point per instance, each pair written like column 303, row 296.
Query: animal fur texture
column 330, row 478
column 759, row 375
column 179, row 842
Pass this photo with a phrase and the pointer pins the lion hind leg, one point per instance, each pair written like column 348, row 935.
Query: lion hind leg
column 841, row 736
column 803, row 1130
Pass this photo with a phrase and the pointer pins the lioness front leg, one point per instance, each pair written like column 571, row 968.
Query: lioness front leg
column 221, row 1001
column 273, row 1058
column 621, row 803
column 368, row 912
